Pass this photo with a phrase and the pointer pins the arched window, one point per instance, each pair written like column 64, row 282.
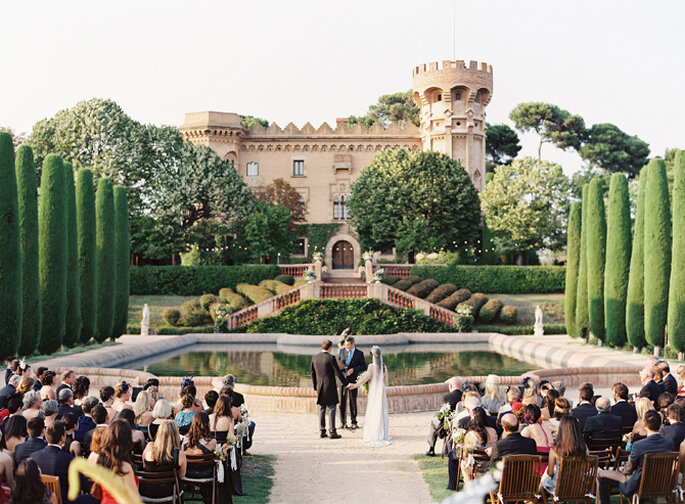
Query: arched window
column 252, row 169
column 340, row 209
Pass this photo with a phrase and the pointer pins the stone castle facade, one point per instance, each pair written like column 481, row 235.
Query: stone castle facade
column 321, row 163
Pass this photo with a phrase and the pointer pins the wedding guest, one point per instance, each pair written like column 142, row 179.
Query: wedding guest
column 185, row 416
column 47, row 392
column 512, row 396
column 99, row 414
column 49, row 411
column 7, row 470
column 478, row 437
column 642, row 406
column 94, row 445
column 210, row 401
column 122, row 394
column 547, row 410
column 437, row 427
column 68, row 379
column 650, row 389
column 492, row 400
column 15, row 433
column 25, row 384
column 585, row 409
column 662, row 404
column 512, row 442
column 143, row 411
column 622, row 407
column 9, row 390
column 137, row 436
column 163, row 454
column 237, row 398
column 32, row 404
column 161, row 412
column 35, row 442
column 9, row 363
column 66, row 406
column 199, row 442
column 603, row 424
column 531, row 392
column 670, row 384
column 29, row 488
column 107, row 399
column 569, row 443
column 680, row 371
column 81, row 388
column 675, row 430
column 85, row 424
column 537, row 430
column 561, row 409
column 38, row 384
column 22, row 368
column 115, row 449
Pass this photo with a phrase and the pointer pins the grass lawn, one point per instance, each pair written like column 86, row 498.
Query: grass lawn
column 157, row 305
column 257, row 474
column 70, row 351
column 552, row 306
column 434, row 472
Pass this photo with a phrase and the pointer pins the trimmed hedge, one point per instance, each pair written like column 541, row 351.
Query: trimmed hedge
column 234, row 299
column 85, row 218
column 275, row 286
column 286, row 279
column 441, row 292
column 500, row 279
column 572, row 262
column 423, row 289
column 582, row 323
column 185, row 330
column 105, row 259
column 407, row 282
column 195, row 280
column 193, row 314
column 72, row 332
column 122, row 261
column 476, row 302
column 391, row 280
column 521, row 330
column 206, row 300
column 172, row 316
column 676, row 298
column 254, row 293
column 508, row 314
column 490, row 310
column 596, row 257
column 451, row 301
column 635, row 308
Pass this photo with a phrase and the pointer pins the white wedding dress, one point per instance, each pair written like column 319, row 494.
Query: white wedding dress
column 376, row 423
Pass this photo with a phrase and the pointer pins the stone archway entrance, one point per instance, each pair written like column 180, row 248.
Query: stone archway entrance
column 342, row 255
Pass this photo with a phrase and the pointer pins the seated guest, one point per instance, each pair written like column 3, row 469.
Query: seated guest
column 199, row 441
column 25, row 384
column 86, row 422
column 47, row 392
column 9, row 362
column 681, row 375
column 585, row 409
column 49, row 411
column 115, row 453
column 662, row 404
column 569, row 443
column 38, row 384
column 163, row 454
column 629, row 476
column 492, row 400
column 436, row 428
column 68, row 379
column 99, row 414
column 622, row 407
column 210, row 401
column 137, row 436
column 512, row 396
column 537, row 430
column 15, row 433
column 237, row 398
column 642, row 406
column 675, row 430
column 478, row 437
column 512, row 442
column 81, row 388
column 9, row 390
column 66, row 408
column 13, row 408
column 649, row 389
column 185, row 417
column 547, row 410
column 94, row 445
column 561, row 409
column 29, row 488
column 531, row 392
column 187, row 387
column 604, row 424
column 161, row 412
column 32, row 404
column 35, row 442
column 107, row 399
column 143, row 411
column 122, row 394
column 668, row 381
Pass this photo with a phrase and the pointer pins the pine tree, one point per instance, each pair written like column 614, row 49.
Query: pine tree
column 85, row 218
column 617, row 260
column 657, row 253
column 72, row 331
column 104, row 259
column 635, row 309
column 10, row 250
column 52, row 228
column 676, row 297
column 573, row 256
column 28, row 231
column 596, row 253
column 122, row 248
column 582, row 316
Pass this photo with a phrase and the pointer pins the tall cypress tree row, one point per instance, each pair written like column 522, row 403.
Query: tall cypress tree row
column 52, row 233
column 27, row 191
column 104, row 259
column 85, row 218
column 573, row 256
column 582, row 317
column 122, row 248
column 72, row 332
column 617, row 260
column 657, row 253
column 635, row 308
column 676, row 296
column 596, row 253
column 10, row 250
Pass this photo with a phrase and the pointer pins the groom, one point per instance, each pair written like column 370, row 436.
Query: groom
column 324, row 368
column 355, row 363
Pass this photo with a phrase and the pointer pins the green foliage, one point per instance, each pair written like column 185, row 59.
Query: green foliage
column 180, row 330
column 521, row 330
column 501, row 144
column 454, row 299
column 635, row 309
column 275, row 287
column 490, row 310
column 657, row 252
column 254, row 293
column 72, row 331
column 28, row 235
column 206, row 300
column 249, row 121
column 390, row 280
column 502, row 279
column 11, row 295
column 476, row 302
column 193, row 314
column 508, row 314
column 611, row 149
column 582, row 304
column 172, row 316
column 52, row 236
column 280, row 192
column 596, row 256
column 573, row 256
column 443, row 257
column 423, row 288
column 332, row 316
column 406, row 282
column 318, row 235
column 266, row 234
column 86, row 228
column 105, row 260
column 441, row 292
column 235, row 300
column 489, row 253
column 396, row 107
column 417, row 201
column 122, row 261
column 286, row 279
column 676, row 298
column 617, row 261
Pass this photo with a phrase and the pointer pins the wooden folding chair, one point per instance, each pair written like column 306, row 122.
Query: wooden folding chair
column 197, row 463
column 52, row 484
column 520, row 479
column 621, row 457
column 605, row 458
column 160, row 478
column 577, row 479
column 659, row 478
column 598, row 444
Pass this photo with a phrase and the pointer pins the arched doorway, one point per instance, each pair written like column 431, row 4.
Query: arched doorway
column 343, row 255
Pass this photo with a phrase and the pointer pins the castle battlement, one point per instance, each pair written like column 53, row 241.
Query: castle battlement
column 451, row 67
column 325, row 130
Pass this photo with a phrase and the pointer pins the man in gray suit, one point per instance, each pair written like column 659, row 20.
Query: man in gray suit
column 324, row 368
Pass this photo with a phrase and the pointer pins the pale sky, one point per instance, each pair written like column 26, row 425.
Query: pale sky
column 618, row 61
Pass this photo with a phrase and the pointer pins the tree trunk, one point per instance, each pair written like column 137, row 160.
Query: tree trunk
column 657, row 351
column 540, row 149
column 411, row 257
column 521, row 260
column 681, row 356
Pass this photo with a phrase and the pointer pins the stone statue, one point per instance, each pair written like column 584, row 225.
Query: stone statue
column 539, row 328
column 145, row 323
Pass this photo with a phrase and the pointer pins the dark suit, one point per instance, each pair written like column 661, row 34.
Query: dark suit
column 675, row 432
column 324, row 369
column 582, row 412
column 55, row 462
column 357, row 365
column 71, row 413
column 626, row 411
column 237, row 399
column 669, row 384
column 452, row 398
column 27, row 448
column 60, row 388
column 603, row 425
column 37, row 385
column 513, row 444
column 8, row 373
column 5, row 393
column 651, row 391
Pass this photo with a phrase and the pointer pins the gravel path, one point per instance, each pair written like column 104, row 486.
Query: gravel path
column 314, row 470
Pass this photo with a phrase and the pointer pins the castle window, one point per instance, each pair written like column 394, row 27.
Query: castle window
column 252, row 169
column 438, row 97
column 300, row 246
column 298, row 168
column 340, row 209
column 457, row 96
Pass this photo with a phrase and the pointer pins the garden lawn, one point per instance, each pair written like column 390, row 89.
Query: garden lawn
column 157, row 305
column 552, row 306
column 257, row 474
column 434, row 472
column 71, row 351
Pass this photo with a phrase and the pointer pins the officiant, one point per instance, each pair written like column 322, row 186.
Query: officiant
column 353, row 362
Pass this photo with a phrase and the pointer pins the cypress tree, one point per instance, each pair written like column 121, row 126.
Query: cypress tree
column 582, row 317
column 72, row 332
column 52, row 235
column 104, row 259
column 10, row 250
column 596, row 252
column 28, row 232
column 122, row 248
column 635, row 309
column 657, row 253
column 573, row 255
column 617, row 260
column 676, row 297
column 85, row 218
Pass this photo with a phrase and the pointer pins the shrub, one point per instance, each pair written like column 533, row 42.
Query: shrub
column 171, row 316
column 104, row 217
column 503, row 279
column 521, row 330
column 596, row 256
column 206, row 300
column 635, row 309
column 508, row 314
column 407, row 282
column 441, row 292
column 286, row 279
column 451, row 301
column 193, row 314
column 582, row 311
column 476, row 302
column 676, row 298
column 275, row 286
column 195, row 280
column 122, row 260
column 390, row 280
column 490, row 310
column 85, row 218
column 234, row 299
column 72, row 332
column 423, row 288
column 573, row 255
column 254, row 293
column 185, row 330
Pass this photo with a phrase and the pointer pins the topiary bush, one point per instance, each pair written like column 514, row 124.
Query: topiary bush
column 423, row 288
column 105, row 259
column 254, row 293
column 476, row 302
column 503, row 279
column 286, row 279
column 193, row 314
column 122, row 260
column 508, row 314
column 85, row 218
column 275, row 286
column 407, row 282
column 451, row 301
column 521, row 330
column 441, row 292
column 490, row 310
column 235, row 300
column 390, row 280
column 206, row 300
column 185, row 330
column 72, row 331
column 171, row 316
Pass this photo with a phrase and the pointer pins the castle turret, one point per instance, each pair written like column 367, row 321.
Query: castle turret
column 453, row 98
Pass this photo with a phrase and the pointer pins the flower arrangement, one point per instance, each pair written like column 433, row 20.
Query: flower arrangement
column 378, row 275
column 309, row 275
column 221, row 314
column 476, row 491
column 444, row 412
column 317, row 256
column 368, row 255
column 464, row 310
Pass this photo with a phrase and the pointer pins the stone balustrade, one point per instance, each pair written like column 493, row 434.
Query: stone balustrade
column 296, row 270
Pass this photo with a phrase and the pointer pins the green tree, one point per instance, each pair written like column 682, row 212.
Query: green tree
column 266, row 233
column 610, row 148
column 617, row 260
column 657, row 252
column 596, row 255
column 249, row 121
column 573, row 257
column 526, row 205
column 676, row 297
column 501, row 144
column 280, row 192
column 403, row 185
column 635, row 309
column 552, row 124
column 104, row 259
column 10, row 250
column 582, row 304
column 72, row 331
column 85, row 218
column 52, row 233
column 395, row 107
column 489, row 253
column 122, row 259
column 28, row 231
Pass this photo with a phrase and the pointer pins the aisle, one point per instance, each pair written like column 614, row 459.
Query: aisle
column 314, row 470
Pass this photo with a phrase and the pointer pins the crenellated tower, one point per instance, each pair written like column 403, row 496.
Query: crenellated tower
column 453, row 98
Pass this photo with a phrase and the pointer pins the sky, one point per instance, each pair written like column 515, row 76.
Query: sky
column 617, row 61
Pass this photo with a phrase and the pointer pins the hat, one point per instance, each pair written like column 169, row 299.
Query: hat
column 492, row 378
column 471, row 403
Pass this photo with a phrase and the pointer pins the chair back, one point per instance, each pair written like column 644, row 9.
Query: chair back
column 199, row 462
column 52, row 484
column 659, row 476
column 605, row 458
column 597, row 444
column 621, row 457
column 577, row 478
column 160, row 478
column 520, row 478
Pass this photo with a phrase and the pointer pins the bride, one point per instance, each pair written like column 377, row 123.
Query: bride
column 376, row 428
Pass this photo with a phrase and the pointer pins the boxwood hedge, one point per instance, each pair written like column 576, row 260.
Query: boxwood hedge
column 500, row 279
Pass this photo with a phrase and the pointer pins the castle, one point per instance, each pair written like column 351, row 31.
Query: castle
column 321, row 163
